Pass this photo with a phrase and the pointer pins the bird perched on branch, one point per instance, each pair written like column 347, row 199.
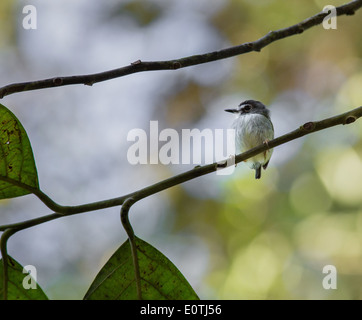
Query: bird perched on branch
column 252, row 128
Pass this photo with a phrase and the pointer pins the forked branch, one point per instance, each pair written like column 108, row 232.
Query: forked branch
column 62, row 211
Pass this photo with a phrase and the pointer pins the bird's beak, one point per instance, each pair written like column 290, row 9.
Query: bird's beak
column 231, row 110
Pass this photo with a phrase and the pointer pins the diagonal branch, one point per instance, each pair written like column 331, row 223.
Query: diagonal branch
column 140, row 66
column 61, row 211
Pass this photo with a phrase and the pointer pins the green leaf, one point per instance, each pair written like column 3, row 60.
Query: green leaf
column 18, row 282
column 18, row 173
column 160, row 279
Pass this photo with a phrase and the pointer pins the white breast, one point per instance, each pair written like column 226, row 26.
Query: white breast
column 252, row 130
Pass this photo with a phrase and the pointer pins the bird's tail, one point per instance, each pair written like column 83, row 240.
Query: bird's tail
column 258, row 172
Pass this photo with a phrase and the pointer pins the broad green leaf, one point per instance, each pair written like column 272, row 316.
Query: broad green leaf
column 17, row 165
column 21, row 286
column 160, row 279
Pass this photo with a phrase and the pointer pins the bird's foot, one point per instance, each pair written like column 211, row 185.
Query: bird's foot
column 229, row 161
column 232, row 159
column 266, row 142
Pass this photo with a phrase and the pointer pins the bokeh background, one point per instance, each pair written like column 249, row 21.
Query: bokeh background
column 231, row 236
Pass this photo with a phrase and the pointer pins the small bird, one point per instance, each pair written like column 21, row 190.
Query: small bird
column 252, row 128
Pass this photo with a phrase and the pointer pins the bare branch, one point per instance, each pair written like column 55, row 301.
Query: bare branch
column 61, row 211
column 140, row 66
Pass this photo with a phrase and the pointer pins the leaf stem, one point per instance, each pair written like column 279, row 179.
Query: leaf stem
column 132, row 239
column 5, row 259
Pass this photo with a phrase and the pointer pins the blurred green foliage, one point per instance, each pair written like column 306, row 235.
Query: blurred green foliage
column 7, row 25
column 271, row 239
column 141, row 12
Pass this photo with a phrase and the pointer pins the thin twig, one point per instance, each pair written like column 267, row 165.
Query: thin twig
column 140, row 66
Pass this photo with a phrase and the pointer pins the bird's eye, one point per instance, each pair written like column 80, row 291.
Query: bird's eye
column 247, row 107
